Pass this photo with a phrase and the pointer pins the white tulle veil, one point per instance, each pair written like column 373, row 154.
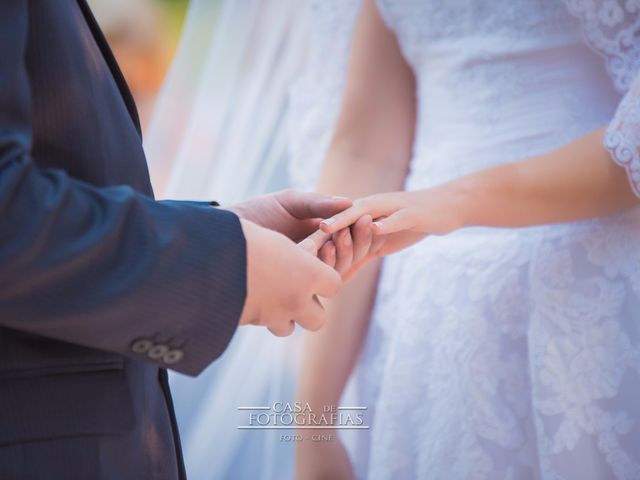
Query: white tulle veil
column 217, row 130
column 218, row 133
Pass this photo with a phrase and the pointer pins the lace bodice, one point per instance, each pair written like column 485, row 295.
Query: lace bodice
column 426, row 28
column 515, row 78
column 436, row 35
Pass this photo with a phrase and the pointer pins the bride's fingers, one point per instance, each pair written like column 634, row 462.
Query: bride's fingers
column 357, row 266
column 362, row 235
column 344, row 250
column 396, row 222
column 369, row 206
column 342, row 220
column 327, row 253
column 377, row 244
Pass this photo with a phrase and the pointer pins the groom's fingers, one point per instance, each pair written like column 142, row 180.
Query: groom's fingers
column 312, row 204
column 326, row 281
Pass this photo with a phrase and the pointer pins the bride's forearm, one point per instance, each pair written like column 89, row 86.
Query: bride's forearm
column 576, row 182
column 358, row 174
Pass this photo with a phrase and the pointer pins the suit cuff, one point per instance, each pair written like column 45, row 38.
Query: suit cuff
column 204, row 324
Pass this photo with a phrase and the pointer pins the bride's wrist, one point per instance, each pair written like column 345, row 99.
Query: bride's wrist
column 482, row 197
column 462, row 197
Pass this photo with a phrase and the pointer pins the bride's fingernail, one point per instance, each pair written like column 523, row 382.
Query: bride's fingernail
column 329, row 221
column 339, row 198
column 378, row 224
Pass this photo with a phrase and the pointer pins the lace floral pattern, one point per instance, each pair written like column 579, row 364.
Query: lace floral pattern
column 622, row 137
column 423, row 26
column 508, row 359
column 612, row 29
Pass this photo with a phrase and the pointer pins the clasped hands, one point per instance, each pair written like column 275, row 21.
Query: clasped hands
column 304, row 245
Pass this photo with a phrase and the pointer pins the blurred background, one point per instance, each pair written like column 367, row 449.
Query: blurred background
column 143, row 35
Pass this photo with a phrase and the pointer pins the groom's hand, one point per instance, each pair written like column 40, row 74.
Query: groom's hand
column 282, row 283
column 294, row 214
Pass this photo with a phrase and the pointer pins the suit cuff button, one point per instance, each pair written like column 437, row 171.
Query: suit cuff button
column 157, row 352
column 173, row 356
column 141, row 345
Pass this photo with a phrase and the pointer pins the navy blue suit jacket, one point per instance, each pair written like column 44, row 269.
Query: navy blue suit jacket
column 101, row 286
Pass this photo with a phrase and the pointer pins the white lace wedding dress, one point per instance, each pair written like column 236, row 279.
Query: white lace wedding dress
column 496, row 354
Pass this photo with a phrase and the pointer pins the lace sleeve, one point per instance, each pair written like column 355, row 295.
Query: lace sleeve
column 622, row 138
column 612, row 29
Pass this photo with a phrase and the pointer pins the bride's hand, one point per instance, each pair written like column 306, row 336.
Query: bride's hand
column 349, row 240
column 346, row 247
column 350, row 249
column 402, row 219
column 433, row 211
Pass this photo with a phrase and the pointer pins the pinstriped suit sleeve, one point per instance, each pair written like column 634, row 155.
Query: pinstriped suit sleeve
column 103, row 267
